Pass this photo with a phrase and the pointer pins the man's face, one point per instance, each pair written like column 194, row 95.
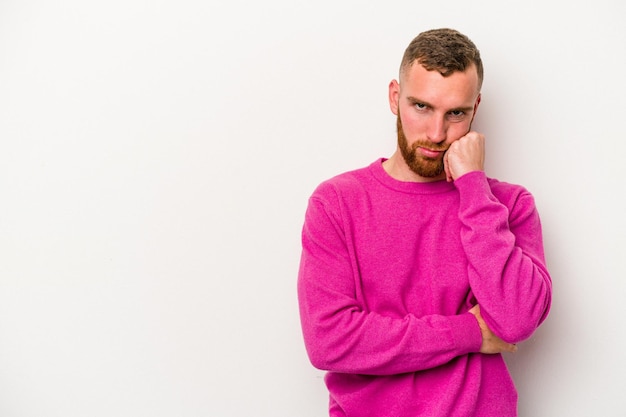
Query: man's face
column 432, row 112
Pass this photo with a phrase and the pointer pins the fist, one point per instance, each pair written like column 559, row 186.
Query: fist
column 465, row 155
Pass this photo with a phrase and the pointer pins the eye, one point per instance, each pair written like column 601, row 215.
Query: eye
column 420, row 106
column 456, row 115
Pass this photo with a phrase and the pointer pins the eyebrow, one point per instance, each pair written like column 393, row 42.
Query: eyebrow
column 463, row 109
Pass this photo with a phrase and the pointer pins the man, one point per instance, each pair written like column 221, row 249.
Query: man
column 418, row 271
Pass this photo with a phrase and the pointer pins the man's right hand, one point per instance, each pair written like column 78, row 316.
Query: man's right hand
column 491, row 343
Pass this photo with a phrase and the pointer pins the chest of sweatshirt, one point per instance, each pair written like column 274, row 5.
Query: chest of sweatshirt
column 403, row 241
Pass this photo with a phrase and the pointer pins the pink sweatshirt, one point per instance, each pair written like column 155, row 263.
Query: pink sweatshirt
column 389, row 270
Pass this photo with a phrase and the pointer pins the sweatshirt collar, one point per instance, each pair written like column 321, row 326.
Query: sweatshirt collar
column 436, row 187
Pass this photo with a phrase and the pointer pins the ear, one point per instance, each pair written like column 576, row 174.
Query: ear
column 475, row 108
column 477, row 103
column 394, row 96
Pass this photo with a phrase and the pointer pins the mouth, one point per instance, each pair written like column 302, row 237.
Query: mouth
column 431, row 153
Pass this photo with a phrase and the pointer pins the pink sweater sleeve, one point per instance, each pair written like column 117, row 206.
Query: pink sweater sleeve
column 341, row 335
column 507, row 270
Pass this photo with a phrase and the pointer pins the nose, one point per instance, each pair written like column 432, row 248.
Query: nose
column 437, row 129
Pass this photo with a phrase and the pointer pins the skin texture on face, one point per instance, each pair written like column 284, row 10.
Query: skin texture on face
column 432, row 112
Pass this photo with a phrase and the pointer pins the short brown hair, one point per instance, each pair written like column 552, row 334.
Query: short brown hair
column 443, row 50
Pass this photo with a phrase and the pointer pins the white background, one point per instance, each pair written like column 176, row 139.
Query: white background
column 155, row 162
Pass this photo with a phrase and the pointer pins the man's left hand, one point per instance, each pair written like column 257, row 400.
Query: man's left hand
column 465, row 155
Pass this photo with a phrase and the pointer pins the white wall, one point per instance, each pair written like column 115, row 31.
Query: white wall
column 156, row 158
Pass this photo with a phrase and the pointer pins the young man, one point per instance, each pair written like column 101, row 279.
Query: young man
column 418, row 271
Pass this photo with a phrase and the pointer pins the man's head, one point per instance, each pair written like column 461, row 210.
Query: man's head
column 436, row 98
column 443, row 50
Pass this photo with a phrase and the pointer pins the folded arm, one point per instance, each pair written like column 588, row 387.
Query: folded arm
column 506, row 266
column 341, row 335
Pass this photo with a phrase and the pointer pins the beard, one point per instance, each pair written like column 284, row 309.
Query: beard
column 418, row 163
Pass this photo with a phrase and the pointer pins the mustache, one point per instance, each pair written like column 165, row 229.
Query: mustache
column 421, row 143
column 430, row 146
